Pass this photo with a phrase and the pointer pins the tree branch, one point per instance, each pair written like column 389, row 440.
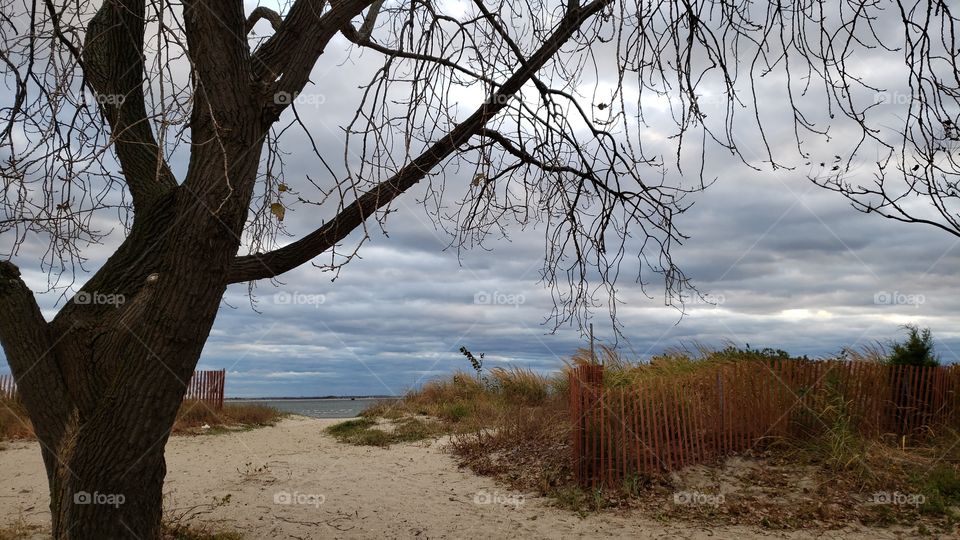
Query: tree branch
column 27, row 344
column 113, row 65
column 263, row 13
column 284, row 62
column 274, row 263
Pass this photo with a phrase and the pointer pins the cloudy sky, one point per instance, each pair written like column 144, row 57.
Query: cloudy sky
column 787, row 265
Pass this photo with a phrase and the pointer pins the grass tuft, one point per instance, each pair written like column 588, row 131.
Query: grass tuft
column 366, row 431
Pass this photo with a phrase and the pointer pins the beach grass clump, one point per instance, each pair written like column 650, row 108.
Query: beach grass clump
column 412, row 429
column 461, row 403
column 349, row 428
column 520, row 385
column 193, row 415
column 367, row 431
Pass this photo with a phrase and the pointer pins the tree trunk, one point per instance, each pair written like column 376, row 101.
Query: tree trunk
column 106, row 489
column 103, row 383
column 104, row 423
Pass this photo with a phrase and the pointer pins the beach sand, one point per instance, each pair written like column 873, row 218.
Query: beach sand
column 293, row 481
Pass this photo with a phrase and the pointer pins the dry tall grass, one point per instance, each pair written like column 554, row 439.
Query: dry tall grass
column 619, row 370
column 14, row 422
column 195, row 414
column 192, row 416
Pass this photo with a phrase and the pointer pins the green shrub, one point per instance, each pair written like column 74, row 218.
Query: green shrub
column 917, row 350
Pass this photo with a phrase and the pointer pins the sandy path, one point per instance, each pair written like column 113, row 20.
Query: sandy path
column 343, row 491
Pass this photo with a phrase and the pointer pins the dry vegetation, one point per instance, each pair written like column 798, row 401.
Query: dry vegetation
column 191, row 419
column 14, row 424
column 19, row 530
column 513, row 424
column 233, row 416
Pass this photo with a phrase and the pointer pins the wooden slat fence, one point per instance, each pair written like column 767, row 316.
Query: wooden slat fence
column 206, row 386
column 659, row 423
column 8, row 388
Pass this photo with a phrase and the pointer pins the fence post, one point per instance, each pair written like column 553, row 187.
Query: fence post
column 223, row 386
column 586, row 389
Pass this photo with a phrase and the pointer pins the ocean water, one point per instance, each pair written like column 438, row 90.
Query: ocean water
column 317, row 408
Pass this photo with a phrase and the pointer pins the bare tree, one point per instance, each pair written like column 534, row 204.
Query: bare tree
column 916, row 173
column 109, row 98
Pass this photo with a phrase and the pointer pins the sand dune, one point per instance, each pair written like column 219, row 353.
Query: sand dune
column 293, row 481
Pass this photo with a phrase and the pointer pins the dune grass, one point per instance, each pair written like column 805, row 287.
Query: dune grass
column 366, row 431
column 513, row 424
column 465, row 401
column 192, row 416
